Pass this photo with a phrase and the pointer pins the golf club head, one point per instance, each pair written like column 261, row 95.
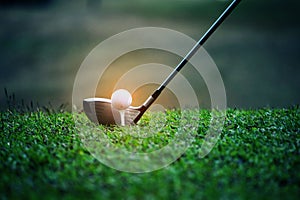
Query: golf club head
column 100, row 111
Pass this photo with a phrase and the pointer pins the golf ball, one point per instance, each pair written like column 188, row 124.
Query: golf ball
column 121, row 99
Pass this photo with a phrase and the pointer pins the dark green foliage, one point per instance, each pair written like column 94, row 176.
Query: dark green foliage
column 256, row 157
column 12, row 103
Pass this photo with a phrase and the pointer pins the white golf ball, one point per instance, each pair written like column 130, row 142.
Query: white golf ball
column 121, row 99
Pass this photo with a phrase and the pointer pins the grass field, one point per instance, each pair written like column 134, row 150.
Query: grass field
column 256, row 157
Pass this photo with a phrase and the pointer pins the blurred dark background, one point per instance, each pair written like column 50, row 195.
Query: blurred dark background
column 43, row 42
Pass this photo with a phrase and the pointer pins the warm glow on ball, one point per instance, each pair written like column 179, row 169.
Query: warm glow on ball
column 121, row 99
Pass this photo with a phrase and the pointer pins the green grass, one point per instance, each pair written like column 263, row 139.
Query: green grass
column 256, row 157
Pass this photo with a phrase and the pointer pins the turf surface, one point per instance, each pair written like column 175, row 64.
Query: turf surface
column 256, row 157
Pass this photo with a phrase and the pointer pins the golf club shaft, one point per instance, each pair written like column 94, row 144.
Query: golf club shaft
column 203, row 39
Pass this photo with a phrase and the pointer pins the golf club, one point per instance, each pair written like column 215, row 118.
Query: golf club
column 100, row 110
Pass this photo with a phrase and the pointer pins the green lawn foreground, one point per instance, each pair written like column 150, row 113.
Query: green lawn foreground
column 256, row 157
